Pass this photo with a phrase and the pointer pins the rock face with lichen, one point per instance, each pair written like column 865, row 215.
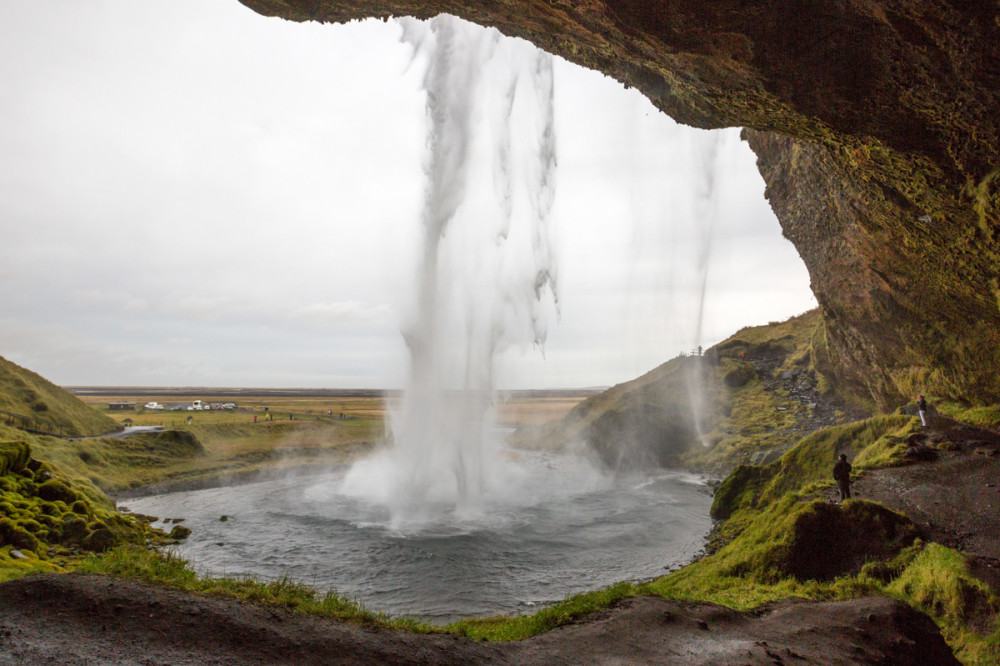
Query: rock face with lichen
column 877, row 130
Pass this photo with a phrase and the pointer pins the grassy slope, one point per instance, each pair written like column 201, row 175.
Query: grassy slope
column 24, row 392
column 743, row 417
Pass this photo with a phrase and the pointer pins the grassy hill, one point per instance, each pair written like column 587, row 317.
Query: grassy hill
column 26, row 393
column 746, row 400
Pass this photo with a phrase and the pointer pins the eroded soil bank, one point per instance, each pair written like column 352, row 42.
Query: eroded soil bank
column 82, row 619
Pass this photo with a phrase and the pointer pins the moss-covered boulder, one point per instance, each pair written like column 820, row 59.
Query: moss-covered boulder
column 739, row 490
column 74, row 530
column 55, row 490
column 739, row 374
column 14, row 456
column 180, row 532
column 13, row 534
column 100, row 539
column 46, row 516
column 831, row 540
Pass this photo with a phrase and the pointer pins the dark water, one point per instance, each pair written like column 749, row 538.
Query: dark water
column 562, row 528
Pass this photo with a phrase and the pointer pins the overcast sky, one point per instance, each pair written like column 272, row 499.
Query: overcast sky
column 194, row 195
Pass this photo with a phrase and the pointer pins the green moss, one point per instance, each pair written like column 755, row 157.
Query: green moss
column 983, row 416
column 14, row 534
column 53, row 490
column 14, row 456
column 37, row 517
column 739, row 490
column 180, row 532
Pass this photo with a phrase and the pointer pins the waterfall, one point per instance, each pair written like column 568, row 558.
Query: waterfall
column 486, row 279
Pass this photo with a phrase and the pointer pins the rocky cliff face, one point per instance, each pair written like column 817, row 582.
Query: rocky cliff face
column 877, row 128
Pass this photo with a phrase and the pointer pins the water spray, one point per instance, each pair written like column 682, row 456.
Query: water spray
column 487, row 272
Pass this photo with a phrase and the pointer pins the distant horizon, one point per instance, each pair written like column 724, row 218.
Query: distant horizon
column 112, row 390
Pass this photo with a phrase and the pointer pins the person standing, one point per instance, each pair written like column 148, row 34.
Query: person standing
column 922, row 410
column 842, row 475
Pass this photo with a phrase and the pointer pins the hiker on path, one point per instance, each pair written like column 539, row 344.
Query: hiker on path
column 842, row 475
column 922, row 410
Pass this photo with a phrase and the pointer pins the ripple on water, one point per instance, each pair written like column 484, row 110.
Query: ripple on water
column 530, row 546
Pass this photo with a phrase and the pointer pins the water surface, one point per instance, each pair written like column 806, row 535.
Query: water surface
column 556, row 528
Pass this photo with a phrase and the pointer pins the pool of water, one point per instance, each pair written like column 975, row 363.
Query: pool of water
column 559, row 528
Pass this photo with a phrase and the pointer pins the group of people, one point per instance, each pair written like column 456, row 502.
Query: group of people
column 842, row 468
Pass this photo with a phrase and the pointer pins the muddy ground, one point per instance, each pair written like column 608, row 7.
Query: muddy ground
column 951, row 489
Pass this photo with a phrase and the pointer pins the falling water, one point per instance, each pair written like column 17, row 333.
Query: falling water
column 705, row 216
column 486, row 281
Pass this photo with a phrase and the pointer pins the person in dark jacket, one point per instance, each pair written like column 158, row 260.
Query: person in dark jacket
column 842, row 475
column 922, row 410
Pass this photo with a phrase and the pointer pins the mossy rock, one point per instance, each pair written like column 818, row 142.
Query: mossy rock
column 180, row 532
column 740, row 375
column 831, row 540
column 74, row 530
column 739, row 490
column 100, row 540
column 54, row 489
column 12, row 534
column 14, row 456
column 30, row 525
column 80, row 507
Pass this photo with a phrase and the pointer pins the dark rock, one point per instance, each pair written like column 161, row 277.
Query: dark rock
column 920, row 453
column 180, row 532
column 100, row 540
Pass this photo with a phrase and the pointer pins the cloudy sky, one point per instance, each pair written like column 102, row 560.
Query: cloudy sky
column 194, row 195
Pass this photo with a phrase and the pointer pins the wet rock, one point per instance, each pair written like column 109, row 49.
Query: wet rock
column 180, row 532
column 920, row 453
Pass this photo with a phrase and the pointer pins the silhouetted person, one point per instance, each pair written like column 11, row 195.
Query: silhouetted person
column 922, row 410
column 842, row 475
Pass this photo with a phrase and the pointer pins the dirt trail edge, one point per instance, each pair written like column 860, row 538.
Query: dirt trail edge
column 86, row 619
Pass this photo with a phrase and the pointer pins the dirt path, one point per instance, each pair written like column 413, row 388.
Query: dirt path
column 952, row 494
column 76, row 619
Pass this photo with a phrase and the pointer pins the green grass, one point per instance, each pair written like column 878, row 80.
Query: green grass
column 167, row 569
column 875, row 442
column 937, row 582
column 24, row 392
column 983, row 416
column 550, row 617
